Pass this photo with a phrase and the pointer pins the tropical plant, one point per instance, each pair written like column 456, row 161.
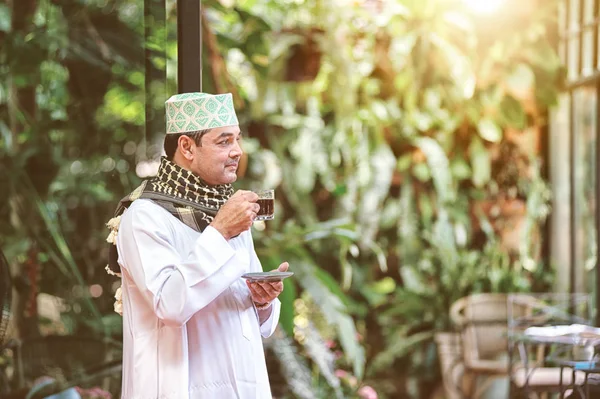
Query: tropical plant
column 402, row 129
column 383, row 127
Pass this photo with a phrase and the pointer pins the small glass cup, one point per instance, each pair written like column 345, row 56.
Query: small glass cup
column 266, row 200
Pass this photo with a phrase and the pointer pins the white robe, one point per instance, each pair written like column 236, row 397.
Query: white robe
column 190, row 329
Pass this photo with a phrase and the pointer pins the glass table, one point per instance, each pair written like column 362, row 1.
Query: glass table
column 572, row 348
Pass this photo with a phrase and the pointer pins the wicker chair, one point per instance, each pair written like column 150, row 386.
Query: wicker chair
column 482, row 321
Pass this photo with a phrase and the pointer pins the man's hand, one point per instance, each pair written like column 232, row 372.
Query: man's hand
column 237, row 215
column 265, row 292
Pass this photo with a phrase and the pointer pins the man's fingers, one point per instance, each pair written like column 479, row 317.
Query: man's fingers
column 263, row 292
column 283, row 267
column 250, row 196
column 266, row 289
column 277, row 287
column 259, row 291
column 245, row 194
column 256, row 296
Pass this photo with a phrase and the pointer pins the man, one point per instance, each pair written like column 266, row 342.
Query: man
column 192, row 326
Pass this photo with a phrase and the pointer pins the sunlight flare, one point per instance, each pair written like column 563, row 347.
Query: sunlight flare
column 483, row 6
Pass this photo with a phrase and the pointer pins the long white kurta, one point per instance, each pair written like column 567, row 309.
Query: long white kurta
column 190, row 329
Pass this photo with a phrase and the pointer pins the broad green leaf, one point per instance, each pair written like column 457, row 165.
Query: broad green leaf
column 5, row 18
column 461, row 69
column 346, row 266
column 381, row 256
column 411, row 279
column 404, row 162
column 409, row 243
column 489, row 130
column 421, row 172
column 543, row 56
column 460, row 169
column 390, row 214
column 400, row 345
column 512, row 113
column 521, row 81
column 319, row 286
column 386, row 285
column 439, row 167
column 382, row 165
column 480, row 163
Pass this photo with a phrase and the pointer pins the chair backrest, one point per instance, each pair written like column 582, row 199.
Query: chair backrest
column 5, row 297
column 483, row 320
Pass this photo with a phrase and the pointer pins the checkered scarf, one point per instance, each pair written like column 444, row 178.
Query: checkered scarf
column 180, row 192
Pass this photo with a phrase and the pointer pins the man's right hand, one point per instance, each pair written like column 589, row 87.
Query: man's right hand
column 237, row 214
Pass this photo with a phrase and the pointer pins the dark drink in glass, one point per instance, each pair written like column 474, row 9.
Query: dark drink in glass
column 266, row 200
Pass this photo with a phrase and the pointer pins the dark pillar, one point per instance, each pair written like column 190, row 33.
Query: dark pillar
column 155, row 39
column 189, row 46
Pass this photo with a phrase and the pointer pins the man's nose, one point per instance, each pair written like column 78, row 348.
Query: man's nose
column 236, row 151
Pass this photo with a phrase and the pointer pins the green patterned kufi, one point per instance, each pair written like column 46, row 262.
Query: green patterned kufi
column 190, row 112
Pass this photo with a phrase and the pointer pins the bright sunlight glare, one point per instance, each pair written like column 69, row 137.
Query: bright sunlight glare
column 483, row 6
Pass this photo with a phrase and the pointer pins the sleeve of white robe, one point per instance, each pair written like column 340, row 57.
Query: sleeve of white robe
column 268, row 326
column 176, row 287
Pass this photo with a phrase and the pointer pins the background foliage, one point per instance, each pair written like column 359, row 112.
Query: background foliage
column 403, row 140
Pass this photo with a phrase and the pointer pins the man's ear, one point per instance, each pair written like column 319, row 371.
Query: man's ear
column 186, row 146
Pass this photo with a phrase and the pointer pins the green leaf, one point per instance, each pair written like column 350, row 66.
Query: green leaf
column 346, row 266
column 439, row 167
column 256, row 22
column 321, row 287
column 5, row 18
column 421, row 172
column 512, row 113
column 386, row 285
column 411, row 279
column 404, row 162
column 293, row 366
column 7, row 138
column 400, row 345
column 460, row 169
column 521, row 80
column 459, row 65
column 287, row 298
column 480, row 163
column 489, row 130
column 352, row 348
column 317, row 350
column 379, row 110
column 63, row 256
column 543, row 56
column 332, row 285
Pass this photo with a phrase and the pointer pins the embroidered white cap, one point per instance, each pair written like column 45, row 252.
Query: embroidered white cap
column 190, row 112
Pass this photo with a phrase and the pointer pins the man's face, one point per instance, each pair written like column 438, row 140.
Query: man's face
column 216, row 160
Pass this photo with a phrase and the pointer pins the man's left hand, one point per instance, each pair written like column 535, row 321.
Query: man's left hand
column 264, row 292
